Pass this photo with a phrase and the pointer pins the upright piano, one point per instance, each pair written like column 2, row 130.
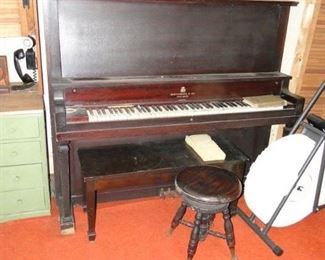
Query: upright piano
column 131, row 71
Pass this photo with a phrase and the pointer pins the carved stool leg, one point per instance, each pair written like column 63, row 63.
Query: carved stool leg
column 195, row 235
column 177, row 219
column 229, row 230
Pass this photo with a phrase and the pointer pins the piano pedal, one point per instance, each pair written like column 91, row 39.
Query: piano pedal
column 167, row 193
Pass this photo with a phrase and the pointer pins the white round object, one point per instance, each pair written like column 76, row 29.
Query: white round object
column 27, row 42
column 273, row 174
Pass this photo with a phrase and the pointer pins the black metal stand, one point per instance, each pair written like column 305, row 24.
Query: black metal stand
column 262, row 232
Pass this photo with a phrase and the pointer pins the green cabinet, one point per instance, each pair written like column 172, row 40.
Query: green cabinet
column 24, row 186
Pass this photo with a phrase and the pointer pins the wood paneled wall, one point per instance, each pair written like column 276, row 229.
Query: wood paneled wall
column 16, row 20
column 9, row 18
column 314, row 69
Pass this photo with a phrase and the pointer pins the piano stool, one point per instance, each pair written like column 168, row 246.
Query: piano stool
column 208, row 190
column 139, row 166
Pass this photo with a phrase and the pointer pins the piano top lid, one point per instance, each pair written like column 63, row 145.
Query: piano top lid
column 282, row 2
column 104, row 39
column 169, row 79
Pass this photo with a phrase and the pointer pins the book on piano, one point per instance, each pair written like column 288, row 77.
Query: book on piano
column 265, row 101
column 207, row 150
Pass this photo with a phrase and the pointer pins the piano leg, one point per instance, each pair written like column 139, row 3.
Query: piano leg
column 91, row 209
column 64, row 198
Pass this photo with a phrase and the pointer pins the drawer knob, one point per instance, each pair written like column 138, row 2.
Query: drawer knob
column 19, row 201
column 17, row 178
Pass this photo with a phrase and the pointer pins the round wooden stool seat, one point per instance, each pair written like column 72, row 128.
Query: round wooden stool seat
column 208, row 188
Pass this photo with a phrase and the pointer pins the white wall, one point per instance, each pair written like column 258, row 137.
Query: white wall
column 289, row 54
column 45, row 84
column 292, row 37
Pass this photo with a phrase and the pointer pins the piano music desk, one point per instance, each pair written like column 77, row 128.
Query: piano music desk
column 143, row 165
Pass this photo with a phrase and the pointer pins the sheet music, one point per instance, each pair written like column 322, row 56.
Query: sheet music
column 205, row 147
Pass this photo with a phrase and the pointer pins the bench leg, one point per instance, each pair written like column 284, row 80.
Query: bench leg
column 91, row 210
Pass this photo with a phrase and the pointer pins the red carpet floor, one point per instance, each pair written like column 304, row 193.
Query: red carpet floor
column 136, row 230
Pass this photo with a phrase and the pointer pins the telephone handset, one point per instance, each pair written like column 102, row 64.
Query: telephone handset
column 30, row 63
column 19, row 55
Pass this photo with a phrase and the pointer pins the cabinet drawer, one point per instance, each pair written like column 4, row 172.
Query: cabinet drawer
column 20, row 153
column 20, row 177
column 19, row 127
column 21, row 201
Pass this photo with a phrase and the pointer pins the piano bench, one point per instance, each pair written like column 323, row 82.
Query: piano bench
column 95, row 184
column 137, row 167
column 208, row 190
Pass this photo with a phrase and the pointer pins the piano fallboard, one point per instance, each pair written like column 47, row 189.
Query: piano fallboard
column 170, row 88
column 167, row 126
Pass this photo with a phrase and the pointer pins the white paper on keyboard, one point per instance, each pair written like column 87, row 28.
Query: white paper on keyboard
column 205, row 147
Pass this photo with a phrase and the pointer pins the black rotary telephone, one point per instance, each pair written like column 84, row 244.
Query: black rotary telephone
column 30, row 63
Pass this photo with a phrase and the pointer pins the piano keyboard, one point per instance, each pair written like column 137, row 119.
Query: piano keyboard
column 154, row 111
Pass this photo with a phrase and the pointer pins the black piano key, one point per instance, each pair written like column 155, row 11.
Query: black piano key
column 181, row 106
column 173, row 107
column 185, row 106
column 166, row 107
column 241, row 104
column 123, row 109
column 229, row 104
column 192, row 106
column 91, row 112
column 111, row 110
column 204, row 105
column 141, row 109
column 215, row 104
column 234, row 103
column 208, row 105
column 244, row 104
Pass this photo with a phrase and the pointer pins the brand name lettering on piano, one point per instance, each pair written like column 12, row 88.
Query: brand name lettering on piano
column 183, row 93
